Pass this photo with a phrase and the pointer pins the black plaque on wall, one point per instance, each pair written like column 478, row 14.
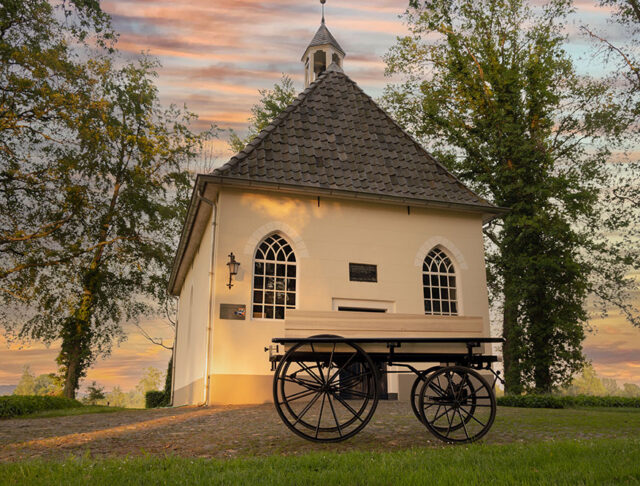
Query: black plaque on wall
column 234, row 312
column 362, row 272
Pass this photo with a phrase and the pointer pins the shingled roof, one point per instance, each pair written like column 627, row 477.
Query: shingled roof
column 334, row 136
column 322, row 38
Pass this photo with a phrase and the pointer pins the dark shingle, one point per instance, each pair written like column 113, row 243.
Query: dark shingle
column 323, row 37
column 336, row 137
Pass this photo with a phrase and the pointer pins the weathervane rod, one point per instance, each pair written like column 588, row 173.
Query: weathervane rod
column 323, row 2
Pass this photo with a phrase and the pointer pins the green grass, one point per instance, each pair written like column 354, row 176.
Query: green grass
column 65, row 412
column 612, row 461
column 568, row 401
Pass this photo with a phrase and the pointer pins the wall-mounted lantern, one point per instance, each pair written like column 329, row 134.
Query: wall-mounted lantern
column 233, row 268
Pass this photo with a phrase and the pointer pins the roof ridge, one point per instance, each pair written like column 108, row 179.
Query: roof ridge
column 415, row 142
column 275, row 123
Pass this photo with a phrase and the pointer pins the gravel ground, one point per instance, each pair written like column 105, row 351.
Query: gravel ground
column 231, row 431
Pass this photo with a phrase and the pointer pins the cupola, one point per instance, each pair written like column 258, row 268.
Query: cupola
column 322, row 52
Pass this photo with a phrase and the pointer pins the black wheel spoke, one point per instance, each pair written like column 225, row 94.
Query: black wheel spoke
column 352, row 381
column 470, row 415
column 302, row 383
column 324, row 396
column 335, row 417
column 318, row 364
column 306, row 409
column 462, row 382
column 299, row 395
column 449, row 420
column 310, row 372
column 441, row 415
column 464, row 424
column 331, row 362
column 344, row 365
column 348, row 407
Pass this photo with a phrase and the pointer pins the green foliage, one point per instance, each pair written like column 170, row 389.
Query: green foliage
column 27, row 383
column 587, row 383
column 272, row 103
column 16, row 405
column 155, row 399
column 631, row 390
column 567, row 401
column 556, row 462
column 45, row 384
column 151, row 380
column 94, row 182
column 44, row 85
column 96, row 393
column 491, row 90
column 168, row 380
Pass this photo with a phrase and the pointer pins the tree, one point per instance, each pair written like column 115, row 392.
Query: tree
column 43, row 81
column 26, row 385
column 130, row 172
column 117, row 398
column 48, row 384
column 621, row 56
column 96, row 393
column 168, row 382
column 587, row 383
column 151, row 380
column 272, row 103
column 631, row 390
column 611, row 386
column 490, row 89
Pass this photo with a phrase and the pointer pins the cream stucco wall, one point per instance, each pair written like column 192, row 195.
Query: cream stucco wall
column 190, row 353
column 326, row 238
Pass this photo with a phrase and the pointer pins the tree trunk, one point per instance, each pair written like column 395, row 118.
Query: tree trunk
column 76, row 355
column 512, row 374
column 541, row 334
column 72, row 368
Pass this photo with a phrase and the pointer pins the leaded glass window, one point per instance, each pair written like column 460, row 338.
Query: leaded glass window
column 274, row 278
column 439, row 284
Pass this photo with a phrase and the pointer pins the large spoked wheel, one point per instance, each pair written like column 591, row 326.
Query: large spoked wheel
column 416, row 387
column 457, row 404
column 325, row 392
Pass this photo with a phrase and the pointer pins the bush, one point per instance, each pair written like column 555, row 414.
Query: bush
column 155, row 399
column 551, row 401
column 16, row 405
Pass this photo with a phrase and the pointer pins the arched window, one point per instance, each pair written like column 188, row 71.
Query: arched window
column 439, row 282
column 274, row 278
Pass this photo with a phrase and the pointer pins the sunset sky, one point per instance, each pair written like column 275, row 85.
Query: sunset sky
column 216, row 55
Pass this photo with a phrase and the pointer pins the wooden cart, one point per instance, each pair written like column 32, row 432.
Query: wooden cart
column 328, row 368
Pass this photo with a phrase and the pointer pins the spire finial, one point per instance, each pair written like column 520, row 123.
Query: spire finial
column 323, row 2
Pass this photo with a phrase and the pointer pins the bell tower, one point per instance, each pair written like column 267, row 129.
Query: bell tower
column 322, row 52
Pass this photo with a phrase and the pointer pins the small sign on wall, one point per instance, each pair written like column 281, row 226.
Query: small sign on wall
column 361, row 272
column 233, row 312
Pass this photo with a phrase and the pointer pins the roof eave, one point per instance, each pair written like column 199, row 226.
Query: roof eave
column 187, row 229
column 345, row 193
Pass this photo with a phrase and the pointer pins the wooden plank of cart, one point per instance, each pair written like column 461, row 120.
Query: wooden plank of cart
column 328, row 368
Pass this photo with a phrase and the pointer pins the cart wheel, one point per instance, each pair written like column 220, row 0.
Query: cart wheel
column 457, row 404
column 415, row 397
column 415, row 389
column 325, row 392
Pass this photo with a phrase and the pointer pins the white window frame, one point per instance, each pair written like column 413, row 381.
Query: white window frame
column 429, row 275
column 286, row 277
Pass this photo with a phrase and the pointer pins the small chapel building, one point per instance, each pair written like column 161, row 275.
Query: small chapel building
column 332, row 207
